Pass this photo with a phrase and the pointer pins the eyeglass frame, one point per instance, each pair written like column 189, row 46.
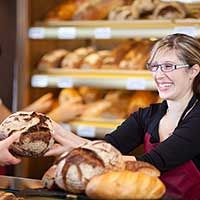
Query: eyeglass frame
column 174, row 67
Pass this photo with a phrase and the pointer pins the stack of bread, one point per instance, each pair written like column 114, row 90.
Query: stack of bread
column 100, row 104
column 117, row 10
column 98, row 169
column 129, row 55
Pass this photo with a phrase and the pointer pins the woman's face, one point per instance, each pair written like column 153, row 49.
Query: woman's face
column 174, row 84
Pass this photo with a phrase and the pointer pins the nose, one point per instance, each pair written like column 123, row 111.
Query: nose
column 159, row 73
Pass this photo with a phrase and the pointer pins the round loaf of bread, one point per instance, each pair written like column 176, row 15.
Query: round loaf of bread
column 81, row 164
column 35, row 131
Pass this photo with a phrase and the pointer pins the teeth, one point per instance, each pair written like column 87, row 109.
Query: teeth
column 164, row 85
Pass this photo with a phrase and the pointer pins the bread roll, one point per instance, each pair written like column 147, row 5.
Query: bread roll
column 90, row 94
column 173, row 10
column 52, row 59
column 35, row 131
column 9, row 196
column 139, row 166
column 95, row 109
column 81, row 164
column 69, row 95
column 125, row 185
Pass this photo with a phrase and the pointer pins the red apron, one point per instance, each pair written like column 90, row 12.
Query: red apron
column 181, row 182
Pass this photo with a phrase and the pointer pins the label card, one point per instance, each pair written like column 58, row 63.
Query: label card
column 67, row 33
column 86, row 131
column 102, row 33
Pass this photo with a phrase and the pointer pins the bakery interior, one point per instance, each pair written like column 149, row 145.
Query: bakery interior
column 90, row 52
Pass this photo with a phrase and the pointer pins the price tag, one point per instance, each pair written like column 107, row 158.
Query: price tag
column 86, row 131
column 36, row 33
column 67, row 33
column 64, row 82
column 39, row 81
column 136, row 84
column 188, row 30
column 102, row 33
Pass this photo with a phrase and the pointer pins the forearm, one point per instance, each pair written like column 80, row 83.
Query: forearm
column 4, row 112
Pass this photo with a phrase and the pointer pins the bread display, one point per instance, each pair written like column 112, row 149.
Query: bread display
column 52, row 59
column 144, row 167
column 75, row 170
column 35, row 133
column 125, row 185
column 69, row 95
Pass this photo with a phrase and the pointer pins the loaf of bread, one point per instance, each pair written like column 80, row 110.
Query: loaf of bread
column 123, row 13
column 139, row 166
column 141, row 99
column 95, row 109
column 9, row 196
column 63, row 11
column 89, row 94
column 74, row 59
column 69, row 95
column 96, row 9
column 167, row 10
column 52, row 59
column 35, row 133
column 81, row 164
column 125, row 185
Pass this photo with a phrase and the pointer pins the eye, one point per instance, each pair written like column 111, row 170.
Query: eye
column 152, row 67
column 167, row 67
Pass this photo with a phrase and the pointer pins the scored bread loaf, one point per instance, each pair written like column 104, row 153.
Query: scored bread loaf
column 125, row 185
column 81, row 164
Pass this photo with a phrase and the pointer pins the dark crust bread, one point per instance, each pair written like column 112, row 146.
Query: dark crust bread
column 31, row 138
column 78, row 156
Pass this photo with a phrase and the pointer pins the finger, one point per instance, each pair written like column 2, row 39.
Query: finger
column 8, row 141
column 55, row 152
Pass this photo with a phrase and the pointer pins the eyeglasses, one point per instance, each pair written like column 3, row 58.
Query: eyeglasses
column 165, row 67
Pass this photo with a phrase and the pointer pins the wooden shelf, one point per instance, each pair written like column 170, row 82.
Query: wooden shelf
column 113, row 29
column 108, row 79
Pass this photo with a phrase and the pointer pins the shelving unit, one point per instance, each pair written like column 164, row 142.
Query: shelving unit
column 106, row 79
column 113, row 29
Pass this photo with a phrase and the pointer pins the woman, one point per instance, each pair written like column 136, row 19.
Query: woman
column 169, row 130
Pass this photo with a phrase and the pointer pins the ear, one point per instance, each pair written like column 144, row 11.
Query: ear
column 194, row 71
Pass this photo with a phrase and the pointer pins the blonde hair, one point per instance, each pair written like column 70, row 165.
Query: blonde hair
column 187, row 49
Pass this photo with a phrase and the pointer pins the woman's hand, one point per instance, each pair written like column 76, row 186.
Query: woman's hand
column 6, row 158
column 66, row 141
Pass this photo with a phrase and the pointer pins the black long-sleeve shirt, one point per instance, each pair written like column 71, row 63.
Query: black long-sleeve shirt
column 181, row 146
